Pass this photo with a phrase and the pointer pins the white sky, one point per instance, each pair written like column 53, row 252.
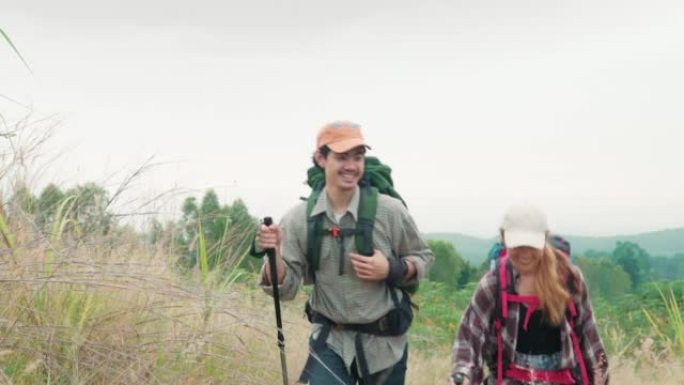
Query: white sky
column 575, row 106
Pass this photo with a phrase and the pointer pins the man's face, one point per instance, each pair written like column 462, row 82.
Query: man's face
column 343, row 170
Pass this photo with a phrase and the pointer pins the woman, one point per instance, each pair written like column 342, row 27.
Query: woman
column 530, row 320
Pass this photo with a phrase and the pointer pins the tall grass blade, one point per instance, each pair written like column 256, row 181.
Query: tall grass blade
column 14, row 48
column 674, row 320
column 6, row 232
column 674, row 315
column 59, row 223
column 202, row 253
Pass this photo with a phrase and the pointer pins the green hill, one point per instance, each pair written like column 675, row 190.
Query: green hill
column 665, row 243
column 471, row 248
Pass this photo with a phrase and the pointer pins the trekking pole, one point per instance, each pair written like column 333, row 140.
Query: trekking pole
column 276, row 300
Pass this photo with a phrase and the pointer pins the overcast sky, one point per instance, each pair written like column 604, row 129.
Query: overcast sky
column 576, row 106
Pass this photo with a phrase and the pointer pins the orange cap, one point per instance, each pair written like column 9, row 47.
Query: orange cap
column 340, row 136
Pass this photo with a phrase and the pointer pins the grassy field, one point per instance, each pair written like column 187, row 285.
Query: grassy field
column 111, row 310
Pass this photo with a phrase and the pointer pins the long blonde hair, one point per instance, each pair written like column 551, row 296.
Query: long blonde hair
column 550, row 286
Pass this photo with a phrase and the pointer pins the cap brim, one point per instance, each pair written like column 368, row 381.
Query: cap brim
column 524, row 238
column 346, row 145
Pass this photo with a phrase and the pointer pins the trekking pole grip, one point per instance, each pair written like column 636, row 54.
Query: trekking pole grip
column 271, row 254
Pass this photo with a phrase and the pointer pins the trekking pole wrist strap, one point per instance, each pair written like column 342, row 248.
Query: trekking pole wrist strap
column 255, row 251
column 397, row 272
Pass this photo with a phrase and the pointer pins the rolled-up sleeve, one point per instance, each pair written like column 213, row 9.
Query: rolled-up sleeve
column 410, row 245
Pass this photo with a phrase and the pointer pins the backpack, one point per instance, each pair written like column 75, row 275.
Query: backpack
column 502, row 270
column 376, row 179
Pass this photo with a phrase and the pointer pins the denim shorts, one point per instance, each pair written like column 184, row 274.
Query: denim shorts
column 539, row 361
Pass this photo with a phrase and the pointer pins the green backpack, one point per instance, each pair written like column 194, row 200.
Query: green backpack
column 376, row 179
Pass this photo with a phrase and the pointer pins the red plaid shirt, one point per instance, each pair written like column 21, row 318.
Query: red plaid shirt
column 476, row 343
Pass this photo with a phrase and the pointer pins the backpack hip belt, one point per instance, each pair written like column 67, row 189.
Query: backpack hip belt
column 394, row 323
column 563, row 376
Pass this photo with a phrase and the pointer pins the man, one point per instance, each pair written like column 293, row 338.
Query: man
column 354, row 296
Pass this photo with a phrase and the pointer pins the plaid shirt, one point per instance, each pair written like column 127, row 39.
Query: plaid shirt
column 476, row 343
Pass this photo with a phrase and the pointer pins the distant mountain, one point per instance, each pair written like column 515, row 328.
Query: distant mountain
column 657, row 243
column 664, row 243
column 471, row 248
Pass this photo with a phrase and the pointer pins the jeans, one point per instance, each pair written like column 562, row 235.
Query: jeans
column 329, row 369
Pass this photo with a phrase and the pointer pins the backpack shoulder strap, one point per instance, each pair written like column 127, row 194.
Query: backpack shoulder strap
column 314, row 234
column 368, row 208
column 503, row 277
column 572, row 318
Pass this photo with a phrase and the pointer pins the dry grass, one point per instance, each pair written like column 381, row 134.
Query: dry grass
column 111, row 310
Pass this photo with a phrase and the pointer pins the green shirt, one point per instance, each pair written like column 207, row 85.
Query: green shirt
column 346, row 298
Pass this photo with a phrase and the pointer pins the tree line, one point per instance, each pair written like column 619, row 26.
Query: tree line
column 225, row 232
column 625, row 269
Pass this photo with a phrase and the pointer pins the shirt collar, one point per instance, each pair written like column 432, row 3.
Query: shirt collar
column 323, row 204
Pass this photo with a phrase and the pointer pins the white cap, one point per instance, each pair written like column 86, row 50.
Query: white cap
column 524, row 225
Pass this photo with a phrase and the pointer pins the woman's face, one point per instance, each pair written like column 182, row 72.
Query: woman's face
column 525, row 259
